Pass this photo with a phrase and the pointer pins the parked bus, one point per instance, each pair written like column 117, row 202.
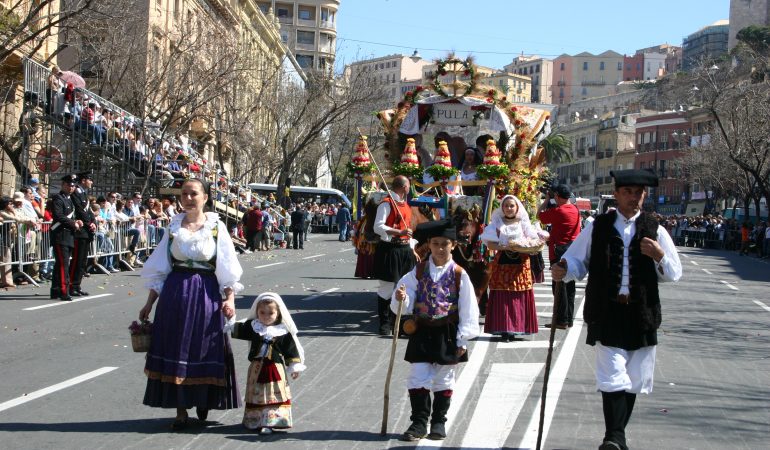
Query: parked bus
column 315, row 194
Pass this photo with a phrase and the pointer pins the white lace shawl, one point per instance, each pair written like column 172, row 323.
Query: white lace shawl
column 199, row 246
column 286, row 322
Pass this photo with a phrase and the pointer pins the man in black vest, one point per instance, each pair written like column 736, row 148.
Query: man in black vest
column 83, row 236
column 297, row 226
column 63, row 228
column 625, row 253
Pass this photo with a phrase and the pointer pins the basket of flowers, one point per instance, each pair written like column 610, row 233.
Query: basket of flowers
column 141, row 335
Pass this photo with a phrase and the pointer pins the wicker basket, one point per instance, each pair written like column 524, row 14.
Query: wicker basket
column 527, row 250
column 141, row 342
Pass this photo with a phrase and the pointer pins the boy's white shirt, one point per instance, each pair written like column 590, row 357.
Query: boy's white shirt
column 468, row 309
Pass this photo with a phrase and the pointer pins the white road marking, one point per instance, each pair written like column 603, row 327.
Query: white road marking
column 504, row 393
column 270, row 265
column 728, row 285
column 707, row 271
column 319, row 294
column 347, row 250
column 685, row 255
column 555, row 383
column 692, row 261
column 314, row 256
column 526, row 344
column 544, row 314
column 762, row 305
column 543, row 295
column 61, row 303
column 56, row 387
column 466, row 381
column 546, row 304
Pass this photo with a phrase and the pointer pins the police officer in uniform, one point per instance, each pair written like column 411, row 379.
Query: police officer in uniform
column 84, row 236
column 63, row 228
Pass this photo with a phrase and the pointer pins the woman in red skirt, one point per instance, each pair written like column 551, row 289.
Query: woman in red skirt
column 511, row 305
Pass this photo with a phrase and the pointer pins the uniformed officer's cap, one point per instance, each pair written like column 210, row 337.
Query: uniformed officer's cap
column 85, row 176
column 71, row 178
column 634, row 177
column 436, row 228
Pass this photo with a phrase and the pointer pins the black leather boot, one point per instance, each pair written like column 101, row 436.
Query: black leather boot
column 441, row 402
column 420, row 400
column 616, row 417
column 383, row 310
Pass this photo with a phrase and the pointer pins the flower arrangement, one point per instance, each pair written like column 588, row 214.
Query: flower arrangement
column 409, row 165
column 360, row 164
column 141, row 334
column 492, row 168
column 442, row 163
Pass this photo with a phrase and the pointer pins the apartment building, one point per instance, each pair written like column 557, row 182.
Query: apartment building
column 660, row 139
column 708, row 43
column 540, row 70
column 579, row 173
column 614, row 150
column 585, row 75
column 744, row 13
column 388, row 73
column 309, row 29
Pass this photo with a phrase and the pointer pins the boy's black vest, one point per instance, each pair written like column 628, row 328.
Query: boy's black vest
column 605, row 274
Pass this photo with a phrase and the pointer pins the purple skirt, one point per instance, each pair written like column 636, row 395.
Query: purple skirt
column 190, row 362
column 511, row 312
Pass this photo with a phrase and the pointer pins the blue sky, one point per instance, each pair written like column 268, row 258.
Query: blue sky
column 505, row 28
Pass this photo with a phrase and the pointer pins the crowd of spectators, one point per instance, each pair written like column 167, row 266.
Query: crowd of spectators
column 716, row 231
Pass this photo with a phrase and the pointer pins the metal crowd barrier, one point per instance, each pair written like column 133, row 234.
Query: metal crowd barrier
column 29, row 253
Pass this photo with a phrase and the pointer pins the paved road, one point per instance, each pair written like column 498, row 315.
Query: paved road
column 71, row 381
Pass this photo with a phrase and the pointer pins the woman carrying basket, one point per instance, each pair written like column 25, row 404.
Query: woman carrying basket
column 511, row 305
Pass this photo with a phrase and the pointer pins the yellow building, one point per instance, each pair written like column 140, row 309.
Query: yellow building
column 517, row 88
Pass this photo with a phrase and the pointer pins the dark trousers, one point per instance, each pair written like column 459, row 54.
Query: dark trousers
column 565, row 309
column 79, row 261
column 297, row 237
column 251, row 239
column 60, row 284
column 617, row 408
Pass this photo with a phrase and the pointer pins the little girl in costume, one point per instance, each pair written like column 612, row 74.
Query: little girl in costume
column 275, row 352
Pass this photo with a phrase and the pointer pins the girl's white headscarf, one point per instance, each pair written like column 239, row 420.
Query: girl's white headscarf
column 490, row 231
column 286, row 319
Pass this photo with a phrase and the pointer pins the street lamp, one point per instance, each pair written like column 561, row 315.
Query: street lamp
column 415, row 56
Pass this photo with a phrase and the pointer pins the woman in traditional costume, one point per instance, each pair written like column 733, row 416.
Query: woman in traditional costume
column 194, row 275
column 511, row 305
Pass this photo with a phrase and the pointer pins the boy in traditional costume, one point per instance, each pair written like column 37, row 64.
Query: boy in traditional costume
column 440, row 295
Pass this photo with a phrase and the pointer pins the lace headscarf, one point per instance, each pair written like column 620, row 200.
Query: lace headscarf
column 497, row 220
column 286, row 319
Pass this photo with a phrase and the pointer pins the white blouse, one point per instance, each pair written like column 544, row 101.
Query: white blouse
column 197, row 246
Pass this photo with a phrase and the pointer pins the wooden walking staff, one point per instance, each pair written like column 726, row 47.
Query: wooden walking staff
column 556, row 300
column 386, row 394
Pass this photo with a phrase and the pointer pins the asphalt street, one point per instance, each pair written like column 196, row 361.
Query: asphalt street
column 72, row 381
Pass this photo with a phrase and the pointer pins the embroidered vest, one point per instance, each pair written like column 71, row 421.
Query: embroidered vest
column 437, row 299
column 605, row 272
column 394, row 220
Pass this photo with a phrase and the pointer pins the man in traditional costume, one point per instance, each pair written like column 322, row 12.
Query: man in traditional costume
column 393, row 256
column 625, row 253
column 446, row 316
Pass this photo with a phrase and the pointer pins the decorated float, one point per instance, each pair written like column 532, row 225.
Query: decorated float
column 457, row 106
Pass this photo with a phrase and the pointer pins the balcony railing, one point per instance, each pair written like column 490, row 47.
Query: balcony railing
column 593, row 83
column 306, row 22
column 328, row 24
column 304, row 46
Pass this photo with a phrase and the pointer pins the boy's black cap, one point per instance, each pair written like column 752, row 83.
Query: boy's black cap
column 436, row 228
column 634, row 177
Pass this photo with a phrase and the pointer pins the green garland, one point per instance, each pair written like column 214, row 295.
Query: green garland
column 408, row 170
column 439, row 172
column 469, row 70
column 492, row 172
column 359, row 170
